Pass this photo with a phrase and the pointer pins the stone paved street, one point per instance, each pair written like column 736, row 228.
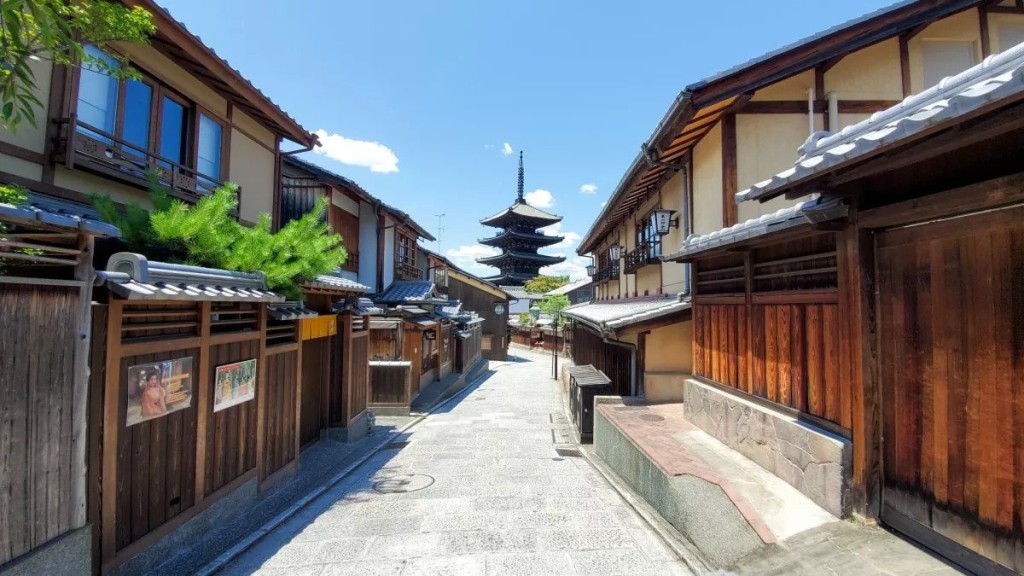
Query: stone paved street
column 478, row 489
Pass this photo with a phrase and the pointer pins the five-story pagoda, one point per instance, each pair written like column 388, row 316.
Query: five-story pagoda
column 519, row 240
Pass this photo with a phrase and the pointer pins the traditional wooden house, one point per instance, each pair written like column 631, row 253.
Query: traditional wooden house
column 735, row 129
column 190, row 116
column 381, row 240
column 891, row 305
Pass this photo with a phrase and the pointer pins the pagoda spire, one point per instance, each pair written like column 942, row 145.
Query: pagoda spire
column 520, row 176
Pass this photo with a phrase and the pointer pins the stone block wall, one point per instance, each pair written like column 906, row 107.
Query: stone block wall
column 812, row 460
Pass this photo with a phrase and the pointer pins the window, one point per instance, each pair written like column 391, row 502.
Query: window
column 97, row 97
column 173, row 130
column 138, row 109
column 647, row 235
column 942, row 59
column 208, row 149
column 406, row 253
column 1010, row 35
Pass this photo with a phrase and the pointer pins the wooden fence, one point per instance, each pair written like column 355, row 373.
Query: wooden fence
column 468, row 348
column 390, row 383
column 617, row 362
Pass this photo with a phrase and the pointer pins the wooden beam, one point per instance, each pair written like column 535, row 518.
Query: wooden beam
column 261, row 394
column 729, row 170
column 202, row 394
column 991, row 194
column 820, row 106
column 112, row 411
column 986, row 39
column 22, row 153
column 85, row 274
column 904, row 41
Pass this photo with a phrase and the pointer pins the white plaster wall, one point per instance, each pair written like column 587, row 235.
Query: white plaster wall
column 368, row 246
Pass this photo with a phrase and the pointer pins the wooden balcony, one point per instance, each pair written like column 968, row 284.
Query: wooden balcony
column 406, row 271
column 606, row 274
column 638, row 258
column 102, row 153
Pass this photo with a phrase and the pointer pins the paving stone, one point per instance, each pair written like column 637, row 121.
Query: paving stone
column 611, row 562
column 454, row 566
column 538, row 564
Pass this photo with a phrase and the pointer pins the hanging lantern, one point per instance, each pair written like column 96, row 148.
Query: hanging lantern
column 663, row 220
column 499, row 308
column 615, row 252
column 590, row 270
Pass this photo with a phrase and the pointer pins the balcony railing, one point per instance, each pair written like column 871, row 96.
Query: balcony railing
column 440, row 278
column 638, row 258
column 103, row 153
column 608, row 273
column 406, row 271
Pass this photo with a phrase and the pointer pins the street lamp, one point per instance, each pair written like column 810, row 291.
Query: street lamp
column 590, row 270
column 554, row 345
column 663, row 220
column 615, row 252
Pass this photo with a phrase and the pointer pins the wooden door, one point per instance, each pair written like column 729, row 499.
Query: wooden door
column 315, row 377
column 951, row 339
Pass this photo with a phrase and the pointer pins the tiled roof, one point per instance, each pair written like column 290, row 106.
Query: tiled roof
column 521, row 208
column 290, row 311
column 361, row 306
column 37, row 213
column 806, row 212
column 522, row 256
column 612, row 315
column 331, row 282
column 408, row 291
column 133, row 277
column 999, row 77
column 569, row 287
column 517, row 292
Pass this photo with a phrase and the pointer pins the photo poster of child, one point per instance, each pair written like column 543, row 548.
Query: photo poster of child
column 158, row 388
column 233, row 384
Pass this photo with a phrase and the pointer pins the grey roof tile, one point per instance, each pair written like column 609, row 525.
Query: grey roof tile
column 332, row 282
column 621, row 313
column 406, row 291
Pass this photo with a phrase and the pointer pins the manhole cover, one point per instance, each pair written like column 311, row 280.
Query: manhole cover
column 652, row 417
column 403, row 483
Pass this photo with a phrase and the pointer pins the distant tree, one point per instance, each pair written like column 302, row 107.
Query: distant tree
column 542, row 284
column 59, row 30
column 552, row 305
column 525, row 319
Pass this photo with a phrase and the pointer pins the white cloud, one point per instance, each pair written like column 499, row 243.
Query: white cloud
column 465, row 257
column 588, row 189
column 575, row 268
column 373, row 155
column 603, row 204
column 540, row 198
column 570, row 239
column 506, row 149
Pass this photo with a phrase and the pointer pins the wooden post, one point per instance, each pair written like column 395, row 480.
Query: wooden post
column 80, row 394
column 298, row 396
column 730, row 180
column 261, row 394
column 859, row 363
column 346, row 367
column 202, row 397
column 112, row 410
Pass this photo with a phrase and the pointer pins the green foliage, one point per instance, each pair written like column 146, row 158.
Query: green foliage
column 207, row 234
column 59, row 30
column 542, row 284
column 554, row 304
column 525, row 319
column 13, row 194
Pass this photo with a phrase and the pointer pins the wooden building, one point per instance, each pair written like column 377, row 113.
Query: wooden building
column 190, row 115
column 381, row 240
column 888, row 309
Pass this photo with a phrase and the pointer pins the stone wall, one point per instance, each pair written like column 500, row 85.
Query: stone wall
column 815, row 462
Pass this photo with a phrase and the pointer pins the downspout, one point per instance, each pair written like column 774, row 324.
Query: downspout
column 378, row 210
column 632, row 360
column 686, row 225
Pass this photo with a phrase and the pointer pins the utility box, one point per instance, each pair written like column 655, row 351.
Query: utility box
column 585, row 382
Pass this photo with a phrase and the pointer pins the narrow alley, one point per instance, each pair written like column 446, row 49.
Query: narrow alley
column 476, row 488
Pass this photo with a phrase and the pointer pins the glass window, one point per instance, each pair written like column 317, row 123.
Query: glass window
column 647, row 235
column 942, row 59
column 138, row 103
column 97, row 97
column 208, row 153
column 173, row 130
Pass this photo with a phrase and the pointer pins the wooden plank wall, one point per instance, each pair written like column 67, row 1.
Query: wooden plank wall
column 279, row 446
column 615, row 361
column 231, row 434
column 315, row 378
column 390, row 385
column 785, row 353
column 359, row 383
column 951, row 335
column 36, row 385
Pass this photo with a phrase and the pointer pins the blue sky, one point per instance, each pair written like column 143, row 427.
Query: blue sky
column 419, row 98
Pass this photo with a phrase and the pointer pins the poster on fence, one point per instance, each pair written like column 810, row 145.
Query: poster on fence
column 158, row 388
column 235, row 383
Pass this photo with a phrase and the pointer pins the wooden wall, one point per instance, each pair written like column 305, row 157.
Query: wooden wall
column 615, row 361
column 315, row 376
column 390, row 385
column 482, row 302
column 36, row 415
column 280, row 426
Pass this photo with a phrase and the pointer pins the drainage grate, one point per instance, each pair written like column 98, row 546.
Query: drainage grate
column 397, row 445
column 568, row 451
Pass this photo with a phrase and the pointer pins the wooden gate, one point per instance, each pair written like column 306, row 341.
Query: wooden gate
column 951, row 336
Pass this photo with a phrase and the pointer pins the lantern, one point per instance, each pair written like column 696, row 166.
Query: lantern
column 615, row 252
column 590, row 270
column 663, row 220
column 499, row 308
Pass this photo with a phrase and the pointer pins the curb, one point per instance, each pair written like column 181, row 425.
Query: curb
column 230, row 554
column 668, row 534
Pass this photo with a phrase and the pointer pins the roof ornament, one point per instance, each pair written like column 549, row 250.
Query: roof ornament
column 520, row 176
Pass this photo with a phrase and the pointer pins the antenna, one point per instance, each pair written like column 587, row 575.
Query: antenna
column 440, row 230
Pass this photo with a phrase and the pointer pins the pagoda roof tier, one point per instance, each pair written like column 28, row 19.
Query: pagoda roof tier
column 521, row 256
column 530, row 237
column 511, row 278
column 521, row 213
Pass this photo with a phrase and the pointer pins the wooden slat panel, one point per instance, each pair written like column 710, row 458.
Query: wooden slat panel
column 743, row 350
column 1003, row 382
column 815, row 361
column 771, row 353
column 784, row 354
column 798, row 363
column 979, row 489
column 758, row 341
column 830, row 352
